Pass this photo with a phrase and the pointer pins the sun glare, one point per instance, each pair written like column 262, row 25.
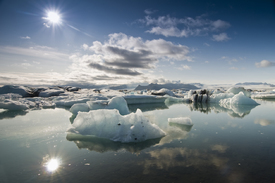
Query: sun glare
column 53, row 17
column 52, row 165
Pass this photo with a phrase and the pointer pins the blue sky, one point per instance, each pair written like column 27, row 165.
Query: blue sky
column 123, row 42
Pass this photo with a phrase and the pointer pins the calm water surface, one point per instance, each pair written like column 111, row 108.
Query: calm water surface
column 223, row 145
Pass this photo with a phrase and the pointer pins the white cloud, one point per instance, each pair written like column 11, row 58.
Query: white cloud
column 27, row 37
column 122, row 51
column 167, row 32
column 85, row 46
column 183, row 27
column 233, row 68
column 149, row 11
column 43, row 52
column 46, row 25
column 221, row 37
column 206, row 44
column 124, row 59
column 186, row 67
column 265, row 63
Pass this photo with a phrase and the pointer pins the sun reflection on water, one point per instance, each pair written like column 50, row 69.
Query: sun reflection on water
column 52, row 165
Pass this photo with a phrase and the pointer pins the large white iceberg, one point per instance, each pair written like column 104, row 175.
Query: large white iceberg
column 238, row 99
column 236, row 90
column 109, row 124
column 215, row 98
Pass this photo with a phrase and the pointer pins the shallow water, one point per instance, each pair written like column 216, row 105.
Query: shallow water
column 236, row 145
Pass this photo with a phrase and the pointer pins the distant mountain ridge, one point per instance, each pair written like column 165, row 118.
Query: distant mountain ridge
column 169, row 86
column 256, row 83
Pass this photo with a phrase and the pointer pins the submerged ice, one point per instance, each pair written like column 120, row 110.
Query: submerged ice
column 108, row 123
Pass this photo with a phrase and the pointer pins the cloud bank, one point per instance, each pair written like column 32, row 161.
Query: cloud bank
column 183, row 27
column 127, row 55
column 220, row 37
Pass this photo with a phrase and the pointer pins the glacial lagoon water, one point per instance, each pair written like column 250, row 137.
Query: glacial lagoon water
column 223, row 145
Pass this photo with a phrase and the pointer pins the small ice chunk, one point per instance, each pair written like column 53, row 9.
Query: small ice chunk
column 13, row 105
column 98, row 104
column 109, row 124
column 181, row 120
column 163, row 92
column 21, row 90
column 118, row 103
column 51, row 92
column 83, row 107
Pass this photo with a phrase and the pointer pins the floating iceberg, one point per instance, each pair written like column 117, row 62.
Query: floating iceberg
column 236, row 90
column 13, row 105
column 21, row 90
column 51, row 92
column 82, row 107
column 118, row 103
column 163, row 92
column 15, row 102
column 238, row 99
column 215, row 98
column 264, row 95
column 110, row 124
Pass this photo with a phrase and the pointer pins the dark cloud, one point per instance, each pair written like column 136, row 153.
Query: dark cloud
column 130, row 58
column 114, row 70
column 105, row 77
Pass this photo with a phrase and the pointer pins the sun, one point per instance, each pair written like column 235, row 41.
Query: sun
column 53, row 17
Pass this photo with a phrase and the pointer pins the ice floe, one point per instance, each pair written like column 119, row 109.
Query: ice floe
column 264, row 95
column 21, row 90
column 109, row 124
column 51, row 92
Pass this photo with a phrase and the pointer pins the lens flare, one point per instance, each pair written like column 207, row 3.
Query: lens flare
column 52, row 165
column 53, row 17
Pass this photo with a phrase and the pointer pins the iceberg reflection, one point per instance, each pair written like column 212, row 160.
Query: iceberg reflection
column 104, row 145
column 7, row 114
column 147, row 107
column 183, row 127
column 167, row 158
column 235, row 111
column 264, row 122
